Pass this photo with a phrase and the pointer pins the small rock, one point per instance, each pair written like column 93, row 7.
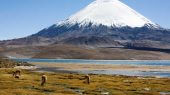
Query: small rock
column 164, row 93
column 104, row 93
column 147, row 89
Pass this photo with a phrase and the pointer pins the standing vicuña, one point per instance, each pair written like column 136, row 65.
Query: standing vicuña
column 17, row 74
column 87, row 77
column 43, row 79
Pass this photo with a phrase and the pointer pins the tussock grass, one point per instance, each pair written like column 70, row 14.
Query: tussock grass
column 74, row 84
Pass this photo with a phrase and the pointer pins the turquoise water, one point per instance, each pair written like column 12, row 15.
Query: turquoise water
column 80, row 61
column 110, row 72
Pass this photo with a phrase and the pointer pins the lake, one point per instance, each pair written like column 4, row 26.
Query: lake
column 116, row 62
column 82, row 61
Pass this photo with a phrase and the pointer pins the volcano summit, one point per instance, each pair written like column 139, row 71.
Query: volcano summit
column 103, row 23
column 108, row 13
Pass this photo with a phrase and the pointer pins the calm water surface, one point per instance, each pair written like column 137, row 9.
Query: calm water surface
column 119, row 72
column 80, row 61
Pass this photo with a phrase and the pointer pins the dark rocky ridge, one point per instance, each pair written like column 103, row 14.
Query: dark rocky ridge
column 100, row 36
column 97, row 36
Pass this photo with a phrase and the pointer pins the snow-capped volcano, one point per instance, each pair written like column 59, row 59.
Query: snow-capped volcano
column 103, row 23
column 109, row 13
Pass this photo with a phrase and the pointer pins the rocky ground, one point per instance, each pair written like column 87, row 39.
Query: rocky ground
column 77, row 52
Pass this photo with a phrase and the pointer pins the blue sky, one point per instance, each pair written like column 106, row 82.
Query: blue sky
column 19, row 18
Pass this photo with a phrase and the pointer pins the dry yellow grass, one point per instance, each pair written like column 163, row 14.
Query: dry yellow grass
column 73, row 84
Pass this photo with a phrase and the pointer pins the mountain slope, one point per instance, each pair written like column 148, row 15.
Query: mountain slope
column 107, row 36
column 103, row 23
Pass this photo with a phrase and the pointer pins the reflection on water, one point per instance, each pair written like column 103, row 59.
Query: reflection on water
column 82, row 61
column 108, row 72
column 128, row 73
column 117, row 72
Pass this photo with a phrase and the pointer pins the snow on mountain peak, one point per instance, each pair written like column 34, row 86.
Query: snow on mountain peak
column 106, row 0
column 109, row 13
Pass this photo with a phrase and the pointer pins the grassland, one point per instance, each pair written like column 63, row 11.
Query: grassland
column 7, row 63
column 74, row 84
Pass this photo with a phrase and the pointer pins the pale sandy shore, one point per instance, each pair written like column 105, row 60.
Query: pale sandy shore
column 72, row 66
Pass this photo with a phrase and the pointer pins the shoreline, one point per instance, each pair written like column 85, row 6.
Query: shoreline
column 81, row 59
column 108, row 69
column 88, row 66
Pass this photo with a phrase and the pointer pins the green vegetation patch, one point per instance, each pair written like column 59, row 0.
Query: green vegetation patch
column 74, row 84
